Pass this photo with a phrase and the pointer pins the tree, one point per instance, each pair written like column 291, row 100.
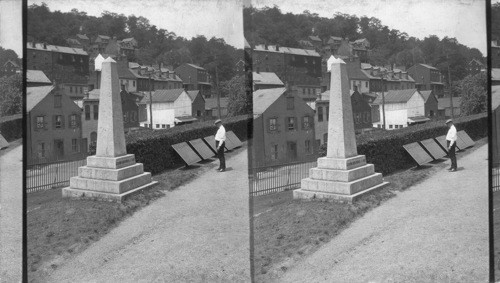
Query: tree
column 11, row 90
column 239, row 100
column 473, row 90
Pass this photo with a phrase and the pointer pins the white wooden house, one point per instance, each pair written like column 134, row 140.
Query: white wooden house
column 402, row 108
column 170, row 107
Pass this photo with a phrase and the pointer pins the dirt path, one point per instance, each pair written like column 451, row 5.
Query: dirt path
column 11, row 214
column 436, row 231
column 197, row 233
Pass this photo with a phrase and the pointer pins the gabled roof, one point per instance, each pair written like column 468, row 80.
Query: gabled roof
column 263, row 98
column 325, row 96
column 266, row 78
column 395, row 96
column 128, row 39
column 426, row 94
column 477, row 61
column 354, row 72
column 287, row 50
column 314, row 38
column 428, row 66
column 195, row 66
column 55, row 48
column 36, row 76
column 164, row 95
column 82, row 36
column 335, row 38
column 193, row 94
column 103, row 36
column 36, row 94
column 12, row 62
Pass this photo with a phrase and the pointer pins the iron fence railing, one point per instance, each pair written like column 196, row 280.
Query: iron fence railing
column 49, row 175
column 495, row 178
column 277, row 178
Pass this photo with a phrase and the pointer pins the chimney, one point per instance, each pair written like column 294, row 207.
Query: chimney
column 44, row 45
column 266, row 46
column 277, row 47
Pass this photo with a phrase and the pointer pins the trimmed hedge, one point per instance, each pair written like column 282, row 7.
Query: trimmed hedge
column 154, row 149
column 385, row 149
column 11, row 127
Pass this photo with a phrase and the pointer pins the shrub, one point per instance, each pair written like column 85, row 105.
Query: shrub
column 154, row 148
column 385, row 149
column 11, row 127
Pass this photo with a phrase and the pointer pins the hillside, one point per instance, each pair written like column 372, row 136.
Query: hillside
column 389, row 46
column 155, row 45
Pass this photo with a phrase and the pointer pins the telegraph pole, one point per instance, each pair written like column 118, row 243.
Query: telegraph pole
column 449, row 85
column 150, row 104
column 217, row 88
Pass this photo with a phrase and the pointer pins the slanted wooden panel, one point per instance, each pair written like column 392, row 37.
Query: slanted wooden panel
column 235, row 140
column 417, row 153
column 202, row 148
column 186, row 153
column 465, row 138
column 3, row 142
column 433, row 148
column 460, row 143
column 211, row 142
column 442, row 141
column 229, row 143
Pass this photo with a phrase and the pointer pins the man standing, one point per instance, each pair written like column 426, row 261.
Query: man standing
column 220, row 139
column 451, row 142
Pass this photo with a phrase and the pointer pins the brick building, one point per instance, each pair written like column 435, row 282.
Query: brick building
column 427, row 78
column 195, row 78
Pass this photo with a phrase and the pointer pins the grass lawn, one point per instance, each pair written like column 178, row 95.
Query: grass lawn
column 58, row 228
column 286, row 230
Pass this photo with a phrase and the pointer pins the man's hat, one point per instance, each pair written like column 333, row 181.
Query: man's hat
column 449, row 121
column 217, row 121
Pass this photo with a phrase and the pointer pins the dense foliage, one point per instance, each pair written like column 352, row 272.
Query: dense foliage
column 495, row 21
column 11, row 90
column 155, row 45
column 473, row 89
column 154, row 148
column 8, row 54
column 385, row 149
column 239, row 100
column 389, row 46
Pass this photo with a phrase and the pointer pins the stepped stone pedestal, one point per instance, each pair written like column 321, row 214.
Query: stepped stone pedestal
column 343, row 174
column 111, row 174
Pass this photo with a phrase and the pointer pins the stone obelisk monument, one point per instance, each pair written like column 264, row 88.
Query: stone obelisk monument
column 342, row 174
column 111, row 174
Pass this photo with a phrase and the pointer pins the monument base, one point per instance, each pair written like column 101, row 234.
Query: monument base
column 109, row 178
column 340, row 179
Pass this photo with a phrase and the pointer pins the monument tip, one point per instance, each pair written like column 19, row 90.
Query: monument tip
column 333, row 60
column 109, row 59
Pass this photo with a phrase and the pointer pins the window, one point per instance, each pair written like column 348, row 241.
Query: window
column 133, row 83
column 306, row 123
column 308, row 146
column 163, row 126
column 70, row 89
column 87, row 112
column 74, row 145
column 304, row 91
column 390, row 126
column 157, row 126
column 366, row 84
column 41, row 150
column 274, row 152
column 40, row 122
column 291, row 123
column 81, row 89
column 273, row 124
column 198, row 113
column 59, row 122
column 57, row 101
column 320, row 114
column 325, row 137
column 290, row 103
column 72, row 121
column 327, row 113
column 96, row 112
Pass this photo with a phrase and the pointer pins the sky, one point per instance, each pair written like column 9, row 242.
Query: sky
column 186, row 18
column 463, row 19
column 11, row 29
